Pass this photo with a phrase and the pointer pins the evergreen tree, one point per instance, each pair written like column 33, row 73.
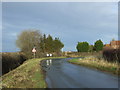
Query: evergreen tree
column 49, row 44
column 58, row 45
column 82, row 46
column 44, row 43
column 98, row 45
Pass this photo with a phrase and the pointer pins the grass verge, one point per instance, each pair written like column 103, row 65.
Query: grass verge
column 102, row 65
column 27, row 75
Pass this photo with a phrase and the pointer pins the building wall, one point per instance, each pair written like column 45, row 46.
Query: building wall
column 113, row 45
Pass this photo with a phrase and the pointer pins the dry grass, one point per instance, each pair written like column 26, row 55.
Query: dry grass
column 83, row 54
column 100, row 64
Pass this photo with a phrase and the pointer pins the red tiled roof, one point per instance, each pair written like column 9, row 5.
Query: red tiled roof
column 115, row 43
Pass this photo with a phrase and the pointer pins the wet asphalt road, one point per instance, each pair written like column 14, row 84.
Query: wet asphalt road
column 61, row 74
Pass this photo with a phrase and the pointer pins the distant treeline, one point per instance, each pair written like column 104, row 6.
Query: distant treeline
column 84, row 54
column 109, row 54
column 85, row 47
column 43, row 44
column 11, row 60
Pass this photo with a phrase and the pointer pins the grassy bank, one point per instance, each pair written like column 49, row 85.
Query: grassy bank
column 27, row 75
column 93, row 62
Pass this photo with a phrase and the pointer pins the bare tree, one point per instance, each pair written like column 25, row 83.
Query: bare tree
column 29, row 39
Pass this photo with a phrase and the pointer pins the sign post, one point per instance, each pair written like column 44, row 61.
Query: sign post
column 34, row 51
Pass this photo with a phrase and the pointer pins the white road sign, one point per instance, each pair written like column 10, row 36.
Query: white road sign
column 34, row 50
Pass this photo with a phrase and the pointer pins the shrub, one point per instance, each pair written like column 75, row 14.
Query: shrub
column 11, row 60
column 82, row 47
column 98, row 46
column 112, row 55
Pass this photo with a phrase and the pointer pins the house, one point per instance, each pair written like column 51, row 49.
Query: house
column 107, row 45
column 113, row 45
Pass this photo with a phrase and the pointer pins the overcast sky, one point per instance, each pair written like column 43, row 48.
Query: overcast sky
column 71, row 22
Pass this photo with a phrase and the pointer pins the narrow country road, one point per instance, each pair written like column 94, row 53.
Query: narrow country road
column 61, row 74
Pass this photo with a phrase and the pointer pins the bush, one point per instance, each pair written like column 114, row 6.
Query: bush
column 11, row 60
column 82, row 47
column 112, row 55
column 98, row 46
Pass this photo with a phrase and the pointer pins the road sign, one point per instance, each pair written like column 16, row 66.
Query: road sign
column 34, row 50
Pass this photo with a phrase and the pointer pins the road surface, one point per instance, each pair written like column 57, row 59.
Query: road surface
column 61, row 74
